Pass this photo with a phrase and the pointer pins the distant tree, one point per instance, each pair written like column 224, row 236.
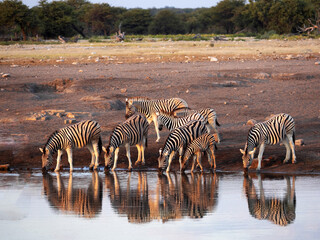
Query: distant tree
column 224, row 14
column 136, row 21
column 287, row 15
column 282, row 16
column 14, row 14
column 166, row 22
column 101, row 18
column 56, row 19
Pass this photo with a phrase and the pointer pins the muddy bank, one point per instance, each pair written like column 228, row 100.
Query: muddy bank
column 39, row 99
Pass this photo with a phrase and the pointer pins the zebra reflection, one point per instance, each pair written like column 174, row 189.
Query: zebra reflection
column 130, row 199
column 188, row 196
column 172, row 197
column 281, row 211
column 80, row 201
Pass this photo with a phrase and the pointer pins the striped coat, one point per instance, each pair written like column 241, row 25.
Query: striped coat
column 79, row 135
column 149, row 108
column 278, row 129
column 134, row 131
column 178, row 139
column 204, row 143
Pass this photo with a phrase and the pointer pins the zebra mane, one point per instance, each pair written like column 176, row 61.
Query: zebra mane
column 172, row 114
column 50, row 137
column 139, row 98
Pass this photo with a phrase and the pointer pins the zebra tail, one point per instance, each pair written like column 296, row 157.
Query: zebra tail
column 218, row 124
column 215, row 146
column 100, row 145
column 294, row 137
column 146, row 141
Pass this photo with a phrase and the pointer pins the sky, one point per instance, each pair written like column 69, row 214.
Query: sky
column 146, row 3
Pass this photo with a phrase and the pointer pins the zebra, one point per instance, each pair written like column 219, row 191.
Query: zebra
column 279, row 128
column 204, row 143
column 79, row 135
column 134, row 131
column 149, row 107
column 210, row 117
column 279, row 210
column 178, row 139
column 172, row 122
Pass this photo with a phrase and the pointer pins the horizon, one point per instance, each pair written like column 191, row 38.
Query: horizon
column 145, row 5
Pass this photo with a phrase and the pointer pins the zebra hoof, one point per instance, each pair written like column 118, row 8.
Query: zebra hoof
column 129, row 169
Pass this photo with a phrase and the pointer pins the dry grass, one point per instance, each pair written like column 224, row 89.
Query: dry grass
column 159, row 51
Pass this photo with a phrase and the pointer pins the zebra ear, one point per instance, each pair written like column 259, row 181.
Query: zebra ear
column 157, row 113
column 104, row 149
column 41, row 150
column 242, row 151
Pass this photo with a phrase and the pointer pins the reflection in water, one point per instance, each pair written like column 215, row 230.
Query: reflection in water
column 83, row 202
column 173, row 197
column 279, row 210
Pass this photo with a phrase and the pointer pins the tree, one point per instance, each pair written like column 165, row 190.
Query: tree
column 14, row 14
column 166, row 22
column 56, row 19
column 136, row 21
column 101, row 18
column 224, row 14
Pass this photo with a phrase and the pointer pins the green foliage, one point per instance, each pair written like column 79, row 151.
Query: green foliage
column 68, row 18
column 166, row 22
column 136, row 21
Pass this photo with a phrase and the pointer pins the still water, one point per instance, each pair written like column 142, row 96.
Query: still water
column 145, row 205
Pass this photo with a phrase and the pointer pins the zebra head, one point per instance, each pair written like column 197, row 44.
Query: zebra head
column 130, row 108
column 108, row 156
column 160, row 121
column 47, row 159
column 162, row 159
column 247, row 157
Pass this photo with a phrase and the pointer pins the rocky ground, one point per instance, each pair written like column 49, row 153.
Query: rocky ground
column 36, row 100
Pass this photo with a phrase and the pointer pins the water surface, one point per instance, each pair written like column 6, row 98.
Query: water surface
column 144, row 205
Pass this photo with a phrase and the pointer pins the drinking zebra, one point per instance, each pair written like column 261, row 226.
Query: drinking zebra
column 178, row 139
column 279, row 128
column 82, row 134
column 149, row 107
column 134, row 131
column 172, row 122
column 209, row 115
column 204, row 143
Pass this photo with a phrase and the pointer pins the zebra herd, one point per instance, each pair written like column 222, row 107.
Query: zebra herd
column 190, row 135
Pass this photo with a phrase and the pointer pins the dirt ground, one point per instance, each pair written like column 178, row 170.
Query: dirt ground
column 37, row 99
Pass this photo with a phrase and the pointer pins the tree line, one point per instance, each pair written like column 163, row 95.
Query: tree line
column 69, row 18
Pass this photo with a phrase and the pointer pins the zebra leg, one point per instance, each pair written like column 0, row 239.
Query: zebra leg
column 287, row 145
column 142, row 147
column 96, row 154
column 129, row 157
column 180, row 156
column 199, row 160
column 261, row 150
column 193, row 162
column 69, row 152
column 59, row 154
column 90, row 148
column 156, row 125
column 116, row 153
column 170, row 160
column 290, row 137
column 211, row 157
column 139, row 154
